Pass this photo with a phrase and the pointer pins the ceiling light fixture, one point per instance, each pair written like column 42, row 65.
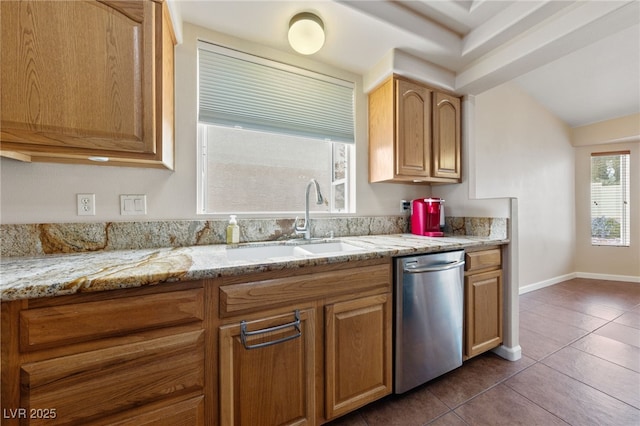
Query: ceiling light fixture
column 306, row 33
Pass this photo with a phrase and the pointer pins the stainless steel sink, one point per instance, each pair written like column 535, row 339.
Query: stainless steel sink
column 258, row 253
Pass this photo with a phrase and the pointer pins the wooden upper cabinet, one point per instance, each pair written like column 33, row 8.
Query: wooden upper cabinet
column 87, row 79
column 446, row 136
column 413, row 155
column 414, row 133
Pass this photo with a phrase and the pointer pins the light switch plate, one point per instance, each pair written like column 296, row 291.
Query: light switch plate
column 133, row 204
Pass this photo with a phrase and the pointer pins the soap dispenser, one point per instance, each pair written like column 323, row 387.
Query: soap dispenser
column 233, row 231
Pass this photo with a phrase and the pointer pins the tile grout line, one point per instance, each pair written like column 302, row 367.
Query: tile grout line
column 545, row 358
column 540, row 361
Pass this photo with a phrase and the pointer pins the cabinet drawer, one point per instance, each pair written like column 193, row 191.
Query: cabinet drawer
column 79, row 322
column 479, row 260
column 106, row 381
column 263, row 294
column 182, row 413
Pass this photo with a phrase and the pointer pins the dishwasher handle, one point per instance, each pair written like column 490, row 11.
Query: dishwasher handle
column 436, row 268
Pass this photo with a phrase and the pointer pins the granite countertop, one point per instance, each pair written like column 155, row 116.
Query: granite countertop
column 57, row 275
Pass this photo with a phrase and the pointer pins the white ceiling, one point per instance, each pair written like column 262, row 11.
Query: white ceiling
column 580, row 59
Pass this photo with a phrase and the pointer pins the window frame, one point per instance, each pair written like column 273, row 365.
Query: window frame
column 349, row 178
column 624, row 208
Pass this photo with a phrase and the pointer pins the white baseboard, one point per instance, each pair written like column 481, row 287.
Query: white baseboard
column 627, row 278
column 510, row 354
column 589, row 275
column 547, row 283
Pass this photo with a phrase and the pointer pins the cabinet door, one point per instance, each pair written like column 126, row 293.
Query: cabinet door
column 446, row 136
column 413, row 128
column 87, row 79
column 357, row 353
column 78, row 74
column 483, row 312
column 267, row 371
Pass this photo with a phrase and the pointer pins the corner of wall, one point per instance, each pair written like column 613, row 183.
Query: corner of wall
column 468, row 145
column 176, row 19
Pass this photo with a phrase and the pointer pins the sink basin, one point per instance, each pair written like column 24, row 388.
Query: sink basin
column 264, row 252
column 257, row 253
column 333, row 247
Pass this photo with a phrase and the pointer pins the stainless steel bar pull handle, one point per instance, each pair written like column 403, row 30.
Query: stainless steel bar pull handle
column 244, row 333
column 435, row 268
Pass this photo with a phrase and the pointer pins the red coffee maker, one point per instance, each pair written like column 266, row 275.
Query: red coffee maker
column 427, row 217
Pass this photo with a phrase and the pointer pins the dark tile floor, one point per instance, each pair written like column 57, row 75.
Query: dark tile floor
column 580, row 365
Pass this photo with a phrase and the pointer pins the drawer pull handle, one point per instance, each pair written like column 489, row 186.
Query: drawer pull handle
column 244, row 333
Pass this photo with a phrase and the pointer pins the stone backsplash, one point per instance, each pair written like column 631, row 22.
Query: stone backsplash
column 58, row 238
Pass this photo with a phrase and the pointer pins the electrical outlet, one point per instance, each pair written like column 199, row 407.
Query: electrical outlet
column 405, row 206
column 86, row 204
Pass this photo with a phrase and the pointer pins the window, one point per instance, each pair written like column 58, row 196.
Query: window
column 610, row 220
column 265, row 129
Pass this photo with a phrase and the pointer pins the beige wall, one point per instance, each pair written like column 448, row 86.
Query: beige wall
column 38, row 192
column 521, row 150
column 599, row 261
column 617, row 130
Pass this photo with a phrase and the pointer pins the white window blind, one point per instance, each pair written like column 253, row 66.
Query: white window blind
column 610, row 192
column 245, row 91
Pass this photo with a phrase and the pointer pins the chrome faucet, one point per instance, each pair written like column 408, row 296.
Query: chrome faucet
column 306, row 228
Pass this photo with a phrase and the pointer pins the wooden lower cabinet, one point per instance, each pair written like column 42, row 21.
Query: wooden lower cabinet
column 95, row 383
column 187, row 412
column 340, row 361
column 357, row 353
column 483, row 302
column 283, row 347
column 129, row 357
column 267, row 374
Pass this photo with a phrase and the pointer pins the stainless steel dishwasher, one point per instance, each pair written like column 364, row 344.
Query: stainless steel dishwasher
column 428, row 317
